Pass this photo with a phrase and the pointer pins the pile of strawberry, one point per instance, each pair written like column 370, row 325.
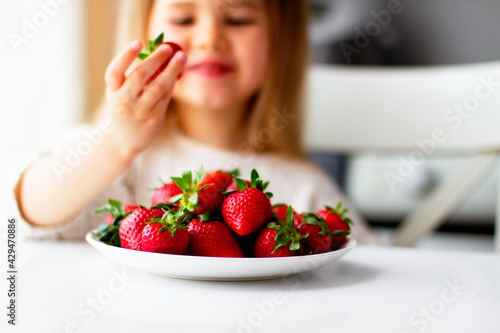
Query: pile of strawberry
column 219, row 215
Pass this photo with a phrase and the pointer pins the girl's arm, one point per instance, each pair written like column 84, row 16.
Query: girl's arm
column 136, row 111
column 49, row 195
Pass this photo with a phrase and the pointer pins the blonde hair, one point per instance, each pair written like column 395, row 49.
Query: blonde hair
column 283, row 89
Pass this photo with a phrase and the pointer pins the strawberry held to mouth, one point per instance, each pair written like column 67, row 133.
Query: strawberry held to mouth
column 153, row 45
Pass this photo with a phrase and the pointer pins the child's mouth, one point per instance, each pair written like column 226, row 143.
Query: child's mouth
column 211, row 69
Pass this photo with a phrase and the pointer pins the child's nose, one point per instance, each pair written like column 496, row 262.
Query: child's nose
column 210, row 34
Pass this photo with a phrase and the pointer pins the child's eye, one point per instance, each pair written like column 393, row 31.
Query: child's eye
column 240, row 21
column 182, row 21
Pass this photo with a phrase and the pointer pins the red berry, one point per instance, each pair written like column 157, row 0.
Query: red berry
column 131, row 227
column 280, row 211
column 318, row 238
column 246, row 211
column 212, row 239
column 163, row 242
column 337, row 222
column 265, row 243
column 164, row 193
column 232, row 186
column 126, row 208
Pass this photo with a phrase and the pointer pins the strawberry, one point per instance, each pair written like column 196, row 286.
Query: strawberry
column 131, row 227
column 212, row 239
column 109, row 232
column 115, row 209
column 280, row 211
column 246, row 211
column 232, row 186
column 338, row 224
column 199, row 195
column 164, row 193
column 316, row 232
column 153, row 45
column 219, row 179
column 167, row 234
column 279, row 239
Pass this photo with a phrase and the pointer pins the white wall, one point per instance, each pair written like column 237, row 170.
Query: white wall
column 42, row 79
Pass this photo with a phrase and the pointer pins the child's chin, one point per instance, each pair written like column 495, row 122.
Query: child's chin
column 211, row 100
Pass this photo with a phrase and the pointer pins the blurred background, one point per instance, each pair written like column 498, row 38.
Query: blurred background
column 53, row 54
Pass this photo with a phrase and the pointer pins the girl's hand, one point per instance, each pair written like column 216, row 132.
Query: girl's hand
column 137, row 106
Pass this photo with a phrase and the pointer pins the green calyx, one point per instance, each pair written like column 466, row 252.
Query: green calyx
column 172, row 221
column 114, row 207
column 315, row 219
column 109, row 233
column 341, row 213
column 255, row 182
column 189, row 198
column 153, row 45
column 287, row 232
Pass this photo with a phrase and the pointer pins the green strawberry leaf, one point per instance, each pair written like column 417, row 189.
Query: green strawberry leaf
column 188, row 177
column 163, row 206
column 241, row 184
column 254, row 175
column 176, row 198
column 194, row 198
column 181, row 182
column 339, row 233
column 199, row 176
column 158, row 40
column 205, row 217
column 102, row 228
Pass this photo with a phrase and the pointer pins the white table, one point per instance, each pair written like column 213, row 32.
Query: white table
column 71, row 287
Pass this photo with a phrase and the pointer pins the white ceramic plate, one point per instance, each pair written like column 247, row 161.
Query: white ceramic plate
column 217, row 269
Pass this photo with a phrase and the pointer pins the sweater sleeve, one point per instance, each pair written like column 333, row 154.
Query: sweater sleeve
column 74, row 229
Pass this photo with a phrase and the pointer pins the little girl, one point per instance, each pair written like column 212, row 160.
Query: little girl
column 238, row 105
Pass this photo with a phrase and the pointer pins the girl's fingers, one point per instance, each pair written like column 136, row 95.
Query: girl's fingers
column 143, row 73
column 163, row 85
column 115, row 74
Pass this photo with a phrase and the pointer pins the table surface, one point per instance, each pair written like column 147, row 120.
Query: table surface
column 71, row 287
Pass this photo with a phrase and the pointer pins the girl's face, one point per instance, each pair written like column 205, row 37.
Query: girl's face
column 226, row 43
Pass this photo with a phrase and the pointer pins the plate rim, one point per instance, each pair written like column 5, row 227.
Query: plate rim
column 348, row 246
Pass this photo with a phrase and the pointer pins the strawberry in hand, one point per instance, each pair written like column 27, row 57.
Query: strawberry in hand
column 250, row 208
column 338, row 224
column 153, row 45
column 279, row 239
